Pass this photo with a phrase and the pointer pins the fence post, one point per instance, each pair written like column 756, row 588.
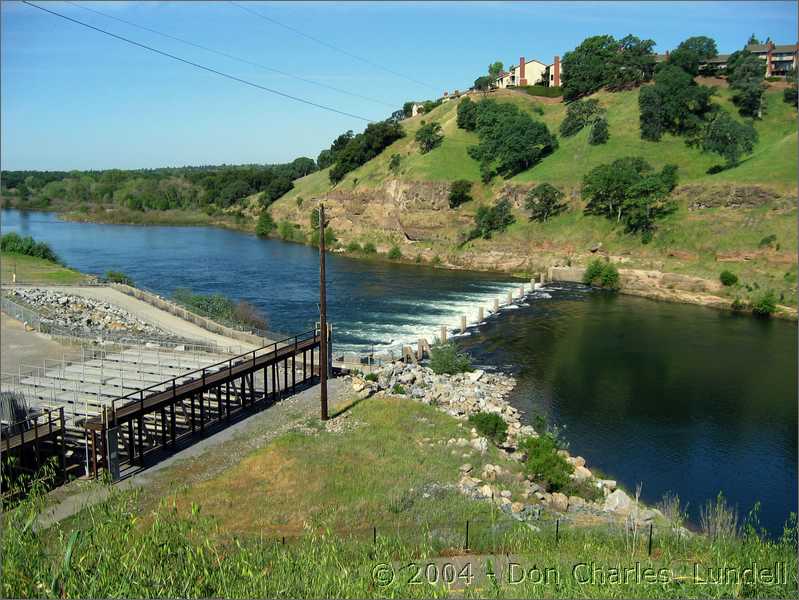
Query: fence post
column 557, row 531
column 466, row 547
column 374, row 536
column 650, row 539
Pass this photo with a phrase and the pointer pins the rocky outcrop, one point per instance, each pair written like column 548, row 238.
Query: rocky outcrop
column 60, row 312
column 699, row 197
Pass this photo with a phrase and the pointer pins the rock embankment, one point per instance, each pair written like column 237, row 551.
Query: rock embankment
column 466, row 394
column 84, row 317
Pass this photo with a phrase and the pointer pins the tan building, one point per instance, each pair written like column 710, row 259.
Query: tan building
column 529, row 72
column 780, row 59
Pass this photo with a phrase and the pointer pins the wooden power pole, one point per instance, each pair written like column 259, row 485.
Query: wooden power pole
column 323, row 367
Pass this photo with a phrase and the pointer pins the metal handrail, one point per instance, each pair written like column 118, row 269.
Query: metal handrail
column 238, row 359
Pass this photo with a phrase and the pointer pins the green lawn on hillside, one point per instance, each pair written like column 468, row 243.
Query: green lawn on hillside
column 30, row 269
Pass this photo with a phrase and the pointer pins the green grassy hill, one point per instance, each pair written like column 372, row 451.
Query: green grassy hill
column 719, row 224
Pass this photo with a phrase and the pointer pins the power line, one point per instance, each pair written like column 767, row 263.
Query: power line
column 199, row 66
column 328, row 45
column 230, row 56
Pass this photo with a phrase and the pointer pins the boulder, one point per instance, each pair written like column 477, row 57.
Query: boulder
column 480, row 444
column 486, row 491
column 581, row 473
column 559, row 502
column 505, row 494
column 517, row 507
column 618, row 502
column 466, row 468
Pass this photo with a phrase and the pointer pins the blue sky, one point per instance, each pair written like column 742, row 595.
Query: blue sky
column 75, row 99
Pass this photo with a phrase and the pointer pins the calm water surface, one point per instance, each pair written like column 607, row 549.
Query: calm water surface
column 678, row 398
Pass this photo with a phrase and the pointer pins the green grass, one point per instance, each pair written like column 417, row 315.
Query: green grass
column 324, row 492
column 36, row 270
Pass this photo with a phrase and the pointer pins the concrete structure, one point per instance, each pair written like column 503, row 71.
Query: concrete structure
column 417, row 109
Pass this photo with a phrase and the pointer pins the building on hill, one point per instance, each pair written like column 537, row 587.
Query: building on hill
column 417, row 109
column 529, row 72
column 781, row 59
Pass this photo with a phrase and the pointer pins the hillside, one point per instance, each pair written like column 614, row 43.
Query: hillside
column 720, row 221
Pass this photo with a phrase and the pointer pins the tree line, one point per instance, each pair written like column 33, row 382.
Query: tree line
column 156, row 189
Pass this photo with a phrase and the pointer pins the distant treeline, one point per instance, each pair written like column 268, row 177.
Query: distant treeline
column 155, row 189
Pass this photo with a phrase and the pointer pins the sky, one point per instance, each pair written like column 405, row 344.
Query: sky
column 73, row 98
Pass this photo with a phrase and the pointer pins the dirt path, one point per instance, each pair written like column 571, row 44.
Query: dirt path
column 199, row 462
column 156, row 316
column 25, row 348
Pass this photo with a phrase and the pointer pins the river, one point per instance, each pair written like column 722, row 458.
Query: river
column 678, row 398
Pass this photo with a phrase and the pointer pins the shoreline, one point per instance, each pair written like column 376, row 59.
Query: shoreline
column 648, row 284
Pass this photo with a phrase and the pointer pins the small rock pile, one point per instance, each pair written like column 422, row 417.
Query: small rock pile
column 83, row 317
column 466, row 394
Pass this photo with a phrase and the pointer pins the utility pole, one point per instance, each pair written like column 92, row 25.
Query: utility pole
column 322, row 314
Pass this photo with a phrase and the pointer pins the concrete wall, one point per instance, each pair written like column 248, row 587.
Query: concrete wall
column 179, row 311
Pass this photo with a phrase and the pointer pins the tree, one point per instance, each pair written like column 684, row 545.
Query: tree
column 302, row 166
column 629, row 191
column 789, row 95
column 407, row 108
column 394, row 163
column 494, row 69
column 363, row 147
column 599, row 132
column 488, row 220
column 277, row 187
column 691, row 53
column 325, row 159
column 753, row 40
column 428, row 136
column 483, row 84
column 728, row 138
column 632, row 64
column 460, row 192
column 747, row 82
column 510, row 140
column 543, row 202
column 467, row 115
column 675, row 103
column 585, row 69
column 265, row 225
column 397, row 116
column 579, row 114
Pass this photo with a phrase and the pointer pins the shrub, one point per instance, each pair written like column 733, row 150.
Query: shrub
column 436, row 260
column 544, row 464
column 467, row 115
column 428, row 136
column 728, row 278
column 601, row 274
column 487, row 220
column 330, row 237
column 491, row 425
column 790, row 95
column 16, row 244
column 249, row 314
column 445, row 358
column 584, row 488
column 460, row 192
column 395, row 253
column 394, row 163
column 552, row 91
column 738, row 305
column 119, row 277
column 599, row 132
column 265, row 224
column 369, row 248
column 353, row 246
column 287, row 231
column 398, row 389
column 767, row 241
column 765, row 304
column 371, row 377
column 718, row 520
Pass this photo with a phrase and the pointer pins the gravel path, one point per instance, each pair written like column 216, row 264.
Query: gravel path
column 155, row 316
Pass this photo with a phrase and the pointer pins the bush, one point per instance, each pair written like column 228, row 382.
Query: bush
column 579, row 114
column 601, row 274
column 394, row 163
column 490, row 425
column 467, row 115
column 356, row 150
column 767, row 241
column 460, row 192
column 728, row 278
column 265, row 224
column 371, row 377
column 765, row 304
column 369, row 248
column 330, row 237
column 16, row 244
column 487, row 220
column 718, row 520
column 221, row 308
column 395, row 253
column 119, row 277
column 738, row 305
column 445, row 358
column 398, row 389
column 599, row 132
column 544, row 464
column 790, row 95
column 553, row 91
column 288, row 231
column 584, row 488
column 354, row 246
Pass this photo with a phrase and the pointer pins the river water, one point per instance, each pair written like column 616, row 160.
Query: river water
column 678, row 398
